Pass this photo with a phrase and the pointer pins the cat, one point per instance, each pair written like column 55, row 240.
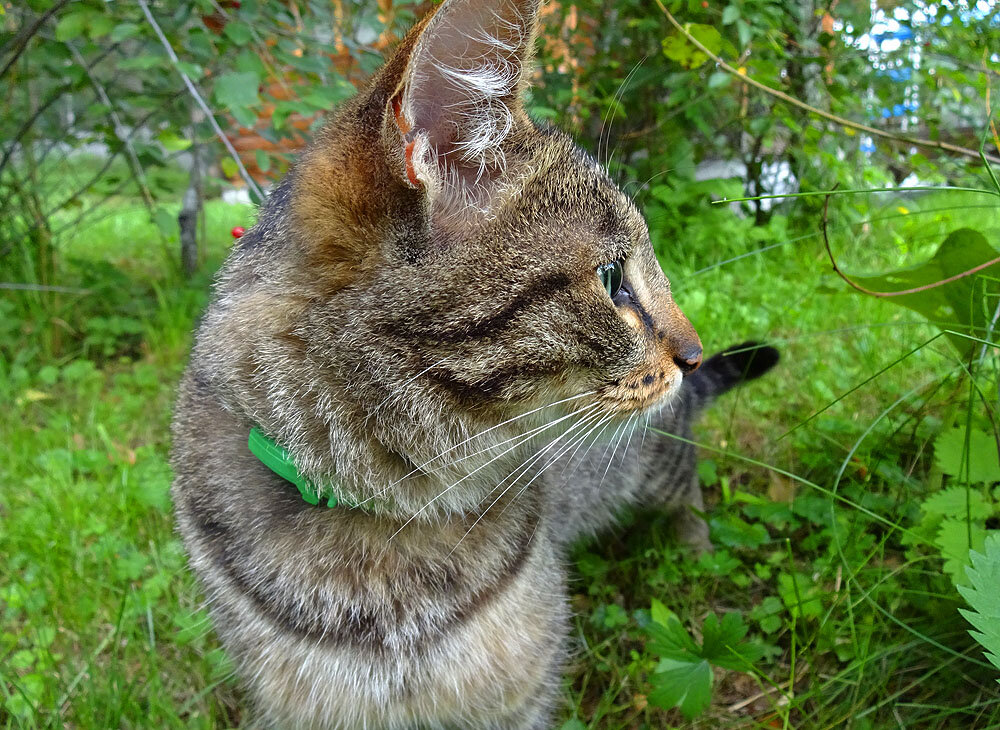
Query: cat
column 439, row 312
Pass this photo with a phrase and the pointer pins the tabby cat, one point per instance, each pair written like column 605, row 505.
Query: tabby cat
column 439, row 312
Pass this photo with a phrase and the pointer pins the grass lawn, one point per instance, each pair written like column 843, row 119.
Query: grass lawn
column 840, row 569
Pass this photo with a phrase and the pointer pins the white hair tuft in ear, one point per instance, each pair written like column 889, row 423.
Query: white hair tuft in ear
column 461, row 94
column 484, row 120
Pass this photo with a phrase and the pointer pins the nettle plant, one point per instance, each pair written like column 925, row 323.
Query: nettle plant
column 958, row 519
column 983, row 597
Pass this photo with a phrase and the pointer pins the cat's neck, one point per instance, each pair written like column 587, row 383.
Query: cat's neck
column 421, row 466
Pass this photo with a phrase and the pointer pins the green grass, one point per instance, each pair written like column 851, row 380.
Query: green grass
column 103, row 625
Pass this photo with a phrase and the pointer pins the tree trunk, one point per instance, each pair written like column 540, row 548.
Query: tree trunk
column 188, row 218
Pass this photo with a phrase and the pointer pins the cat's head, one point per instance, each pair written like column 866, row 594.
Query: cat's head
column 483, row 256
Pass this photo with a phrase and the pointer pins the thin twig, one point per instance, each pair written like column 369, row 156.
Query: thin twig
column 251, row 183
column 874, row 131
column 97, row 176
column 21, row 41
column 52, row 99
column 30, row 121
column 13, row 286
column 120, row 130
column 737, row 706
column 915, row 290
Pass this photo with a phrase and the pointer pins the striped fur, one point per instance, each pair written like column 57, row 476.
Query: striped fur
column 417, row 317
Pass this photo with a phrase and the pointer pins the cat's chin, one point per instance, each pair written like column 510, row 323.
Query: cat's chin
column 629, row 398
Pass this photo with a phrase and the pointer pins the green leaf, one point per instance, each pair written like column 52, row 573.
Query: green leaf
column 744, row 32
column 614, row 616
column 770, row 624
column 239, row 33
column 955, row 539
column 723, row 645
column 23, row 659
column 958, row 305
column 285, row 109
column 716, row 635
column 250, row 61
column 123, row 31
column 229, row 167
column 660, row 613
column 193, row 70
column 669, row 637
column 984, row 598
column 164, row 221
column 677, row 48
column 683, row 676
column 172, row 142
column 237, row 90
column 719, row 79
column 801, row 596
column 730, row 14
column 707, row 471
column 72, row 25
column 324, row 97
column 956, row 502
column 315, row 64
column 263, row 160
column 99, row 26
column 683, row 684
column 731, row 531
column 950, row 454
column 143, row 62
column 244, row 116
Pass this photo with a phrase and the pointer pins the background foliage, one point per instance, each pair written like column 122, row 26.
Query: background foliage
column 853, row 494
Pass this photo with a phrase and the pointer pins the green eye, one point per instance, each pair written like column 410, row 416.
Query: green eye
column 611, row 276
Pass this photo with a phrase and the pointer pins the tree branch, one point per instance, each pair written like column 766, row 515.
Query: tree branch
column 874, row 131
column 21, row 41
column 251, row 183
column 885, row 294
column 120, row 131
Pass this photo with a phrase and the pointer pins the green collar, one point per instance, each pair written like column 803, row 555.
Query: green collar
column 279, row 461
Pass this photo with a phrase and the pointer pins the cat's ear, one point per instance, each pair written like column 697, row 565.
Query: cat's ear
column 459, row 99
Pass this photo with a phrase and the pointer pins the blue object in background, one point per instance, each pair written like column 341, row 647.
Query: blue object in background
column 903, row 34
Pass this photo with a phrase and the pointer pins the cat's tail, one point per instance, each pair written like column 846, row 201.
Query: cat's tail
column 729, row 368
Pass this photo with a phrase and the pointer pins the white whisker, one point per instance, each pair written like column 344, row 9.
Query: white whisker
column 608, row 122
column 617, row 444
column 614, row 436
column 538, row 455
column 645, row 428
column 594, row 427
column 420, row 467
column 549, row 463
column 527, row 463
column 477, row 469
column 635, row 423
column 402, row 385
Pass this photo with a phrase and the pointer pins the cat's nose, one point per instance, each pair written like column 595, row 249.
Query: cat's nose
column 689, row 360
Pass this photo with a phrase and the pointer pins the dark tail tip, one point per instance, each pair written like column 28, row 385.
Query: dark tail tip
column 746, row 361
column 734, row 365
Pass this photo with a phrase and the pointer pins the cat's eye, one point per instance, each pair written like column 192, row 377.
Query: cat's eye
column 611, row 276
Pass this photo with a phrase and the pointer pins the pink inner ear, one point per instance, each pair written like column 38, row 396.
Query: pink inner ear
column 411, row 174
column 462, row 86
column 404, row 128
